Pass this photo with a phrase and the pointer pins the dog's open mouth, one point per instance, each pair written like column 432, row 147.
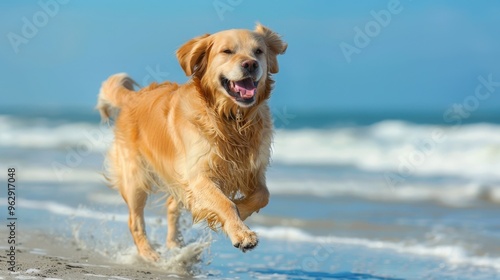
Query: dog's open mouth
column 242, row 91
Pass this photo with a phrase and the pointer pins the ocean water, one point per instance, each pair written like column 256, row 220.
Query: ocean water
column 352, row 197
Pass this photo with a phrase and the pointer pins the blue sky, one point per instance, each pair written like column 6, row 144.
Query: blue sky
column 427, row 57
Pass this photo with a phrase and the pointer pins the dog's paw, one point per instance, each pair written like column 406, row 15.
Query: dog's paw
column 149, row 255
column 171, row 244
column 245, row 240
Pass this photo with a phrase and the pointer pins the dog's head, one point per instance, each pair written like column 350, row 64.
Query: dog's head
column 233, row 64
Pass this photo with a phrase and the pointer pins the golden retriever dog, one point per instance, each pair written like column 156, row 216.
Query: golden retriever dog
column 206, row 143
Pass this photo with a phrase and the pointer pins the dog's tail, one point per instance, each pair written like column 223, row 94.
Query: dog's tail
column 114, row 93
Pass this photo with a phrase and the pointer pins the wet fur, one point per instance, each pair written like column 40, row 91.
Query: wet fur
column 185, row 140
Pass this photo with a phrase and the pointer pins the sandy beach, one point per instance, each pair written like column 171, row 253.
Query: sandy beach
column 41, row 256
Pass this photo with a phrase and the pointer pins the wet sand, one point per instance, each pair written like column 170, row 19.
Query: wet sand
column 41, row 256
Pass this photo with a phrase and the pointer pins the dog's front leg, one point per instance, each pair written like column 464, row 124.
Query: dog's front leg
column 253, row 202
column 207, row 202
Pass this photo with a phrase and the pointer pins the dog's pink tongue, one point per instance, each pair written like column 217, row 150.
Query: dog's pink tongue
column 245, row 87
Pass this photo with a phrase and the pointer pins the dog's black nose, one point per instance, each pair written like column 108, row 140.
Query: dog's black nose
column 250, row 65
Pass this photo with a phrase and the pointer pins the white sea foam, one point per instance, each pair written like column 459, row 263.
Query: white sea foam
column 180, row 261
column 452, row 254
column 450, row 194
column 471, row 151
column 46, row 135
column 70, row 175
column 392, row 146
column 65, row 210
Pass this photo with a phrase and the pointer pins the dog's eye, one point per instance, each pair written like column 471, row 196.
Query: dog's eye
column 227, row 51
column 258, row 51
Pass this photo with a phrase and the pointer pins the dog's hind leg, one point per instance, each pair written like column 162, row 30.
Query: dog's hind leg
column 136, row 198
column 136, row 201
column 172, row 221
column 133, row 190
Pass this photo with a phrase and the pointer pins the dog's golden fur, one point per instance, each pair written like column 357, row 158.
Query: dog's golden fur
column 203, row 143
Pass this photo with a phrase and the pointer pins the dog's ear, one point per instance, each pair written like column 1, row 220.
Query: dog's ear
column 274, row 44
column 192, row 55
